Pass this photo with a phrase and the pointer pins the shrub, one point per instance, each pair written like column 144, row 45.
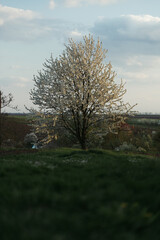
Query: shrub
column 156, row 140
column 126, row 147
column 30, row 139
column 141, row 150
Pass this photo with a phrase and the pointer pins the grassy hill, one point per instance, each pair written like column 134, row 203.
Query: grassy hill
column 70, row 194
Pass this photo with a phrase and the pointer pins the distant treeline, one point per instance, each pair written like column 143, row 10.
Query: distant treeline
column 149, row 116
column 18, row 114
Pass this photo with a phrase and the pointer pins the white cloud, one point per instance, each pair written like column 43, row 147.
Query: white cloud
column 24, row 31
column 142, row 61
column 21, row 81
column 19, row 24
column 146, row 96
column 15, row 67
column 103, row 2
column 144, row 18
column 143, row 68
column 10, row 14
column 73, row 3
column 143, row 27
column 136, row 76
column 1, row 22
column 129, row 27
column 134, row 61
column 75, row 34
column 21, row 85
column 52, row 4
column 77, row 3
column 129, row 34
column 15, row 81
column 142, row 80
column 25, row 25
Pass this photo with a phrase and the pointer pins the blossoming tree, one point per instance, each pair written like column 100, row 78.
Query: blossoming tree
column 78, row 91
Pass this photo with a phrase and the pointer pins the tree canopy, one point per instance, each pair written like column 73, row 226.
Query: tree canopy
column 78, row 91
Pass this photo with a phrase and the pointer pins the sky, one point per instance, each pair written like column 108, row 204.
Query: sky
column 32, row 30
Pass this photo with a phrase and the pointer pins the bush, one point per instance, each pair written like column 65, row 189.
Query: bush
column 156, row 140
column 30, row 139
column 126, row 147
column 141, row 150
column 141, row 137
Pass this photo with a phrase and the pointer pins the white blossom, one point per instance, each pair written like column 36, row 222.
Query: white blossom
column 78, row 90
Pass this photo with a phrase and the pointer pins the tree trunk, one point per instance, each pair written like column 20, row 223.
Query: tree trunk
column 83, row 143
column 83, row 146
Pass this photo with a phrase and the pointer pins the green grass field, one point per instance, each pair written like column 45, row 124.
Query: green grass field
column 71, row 194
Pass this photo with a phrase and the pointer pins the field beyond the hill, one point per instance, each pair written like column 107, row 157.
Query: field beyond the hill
column 70, row 194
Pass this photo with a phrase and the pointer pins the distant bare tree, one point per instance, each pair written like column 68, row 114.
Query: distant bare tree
column 5, row 101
